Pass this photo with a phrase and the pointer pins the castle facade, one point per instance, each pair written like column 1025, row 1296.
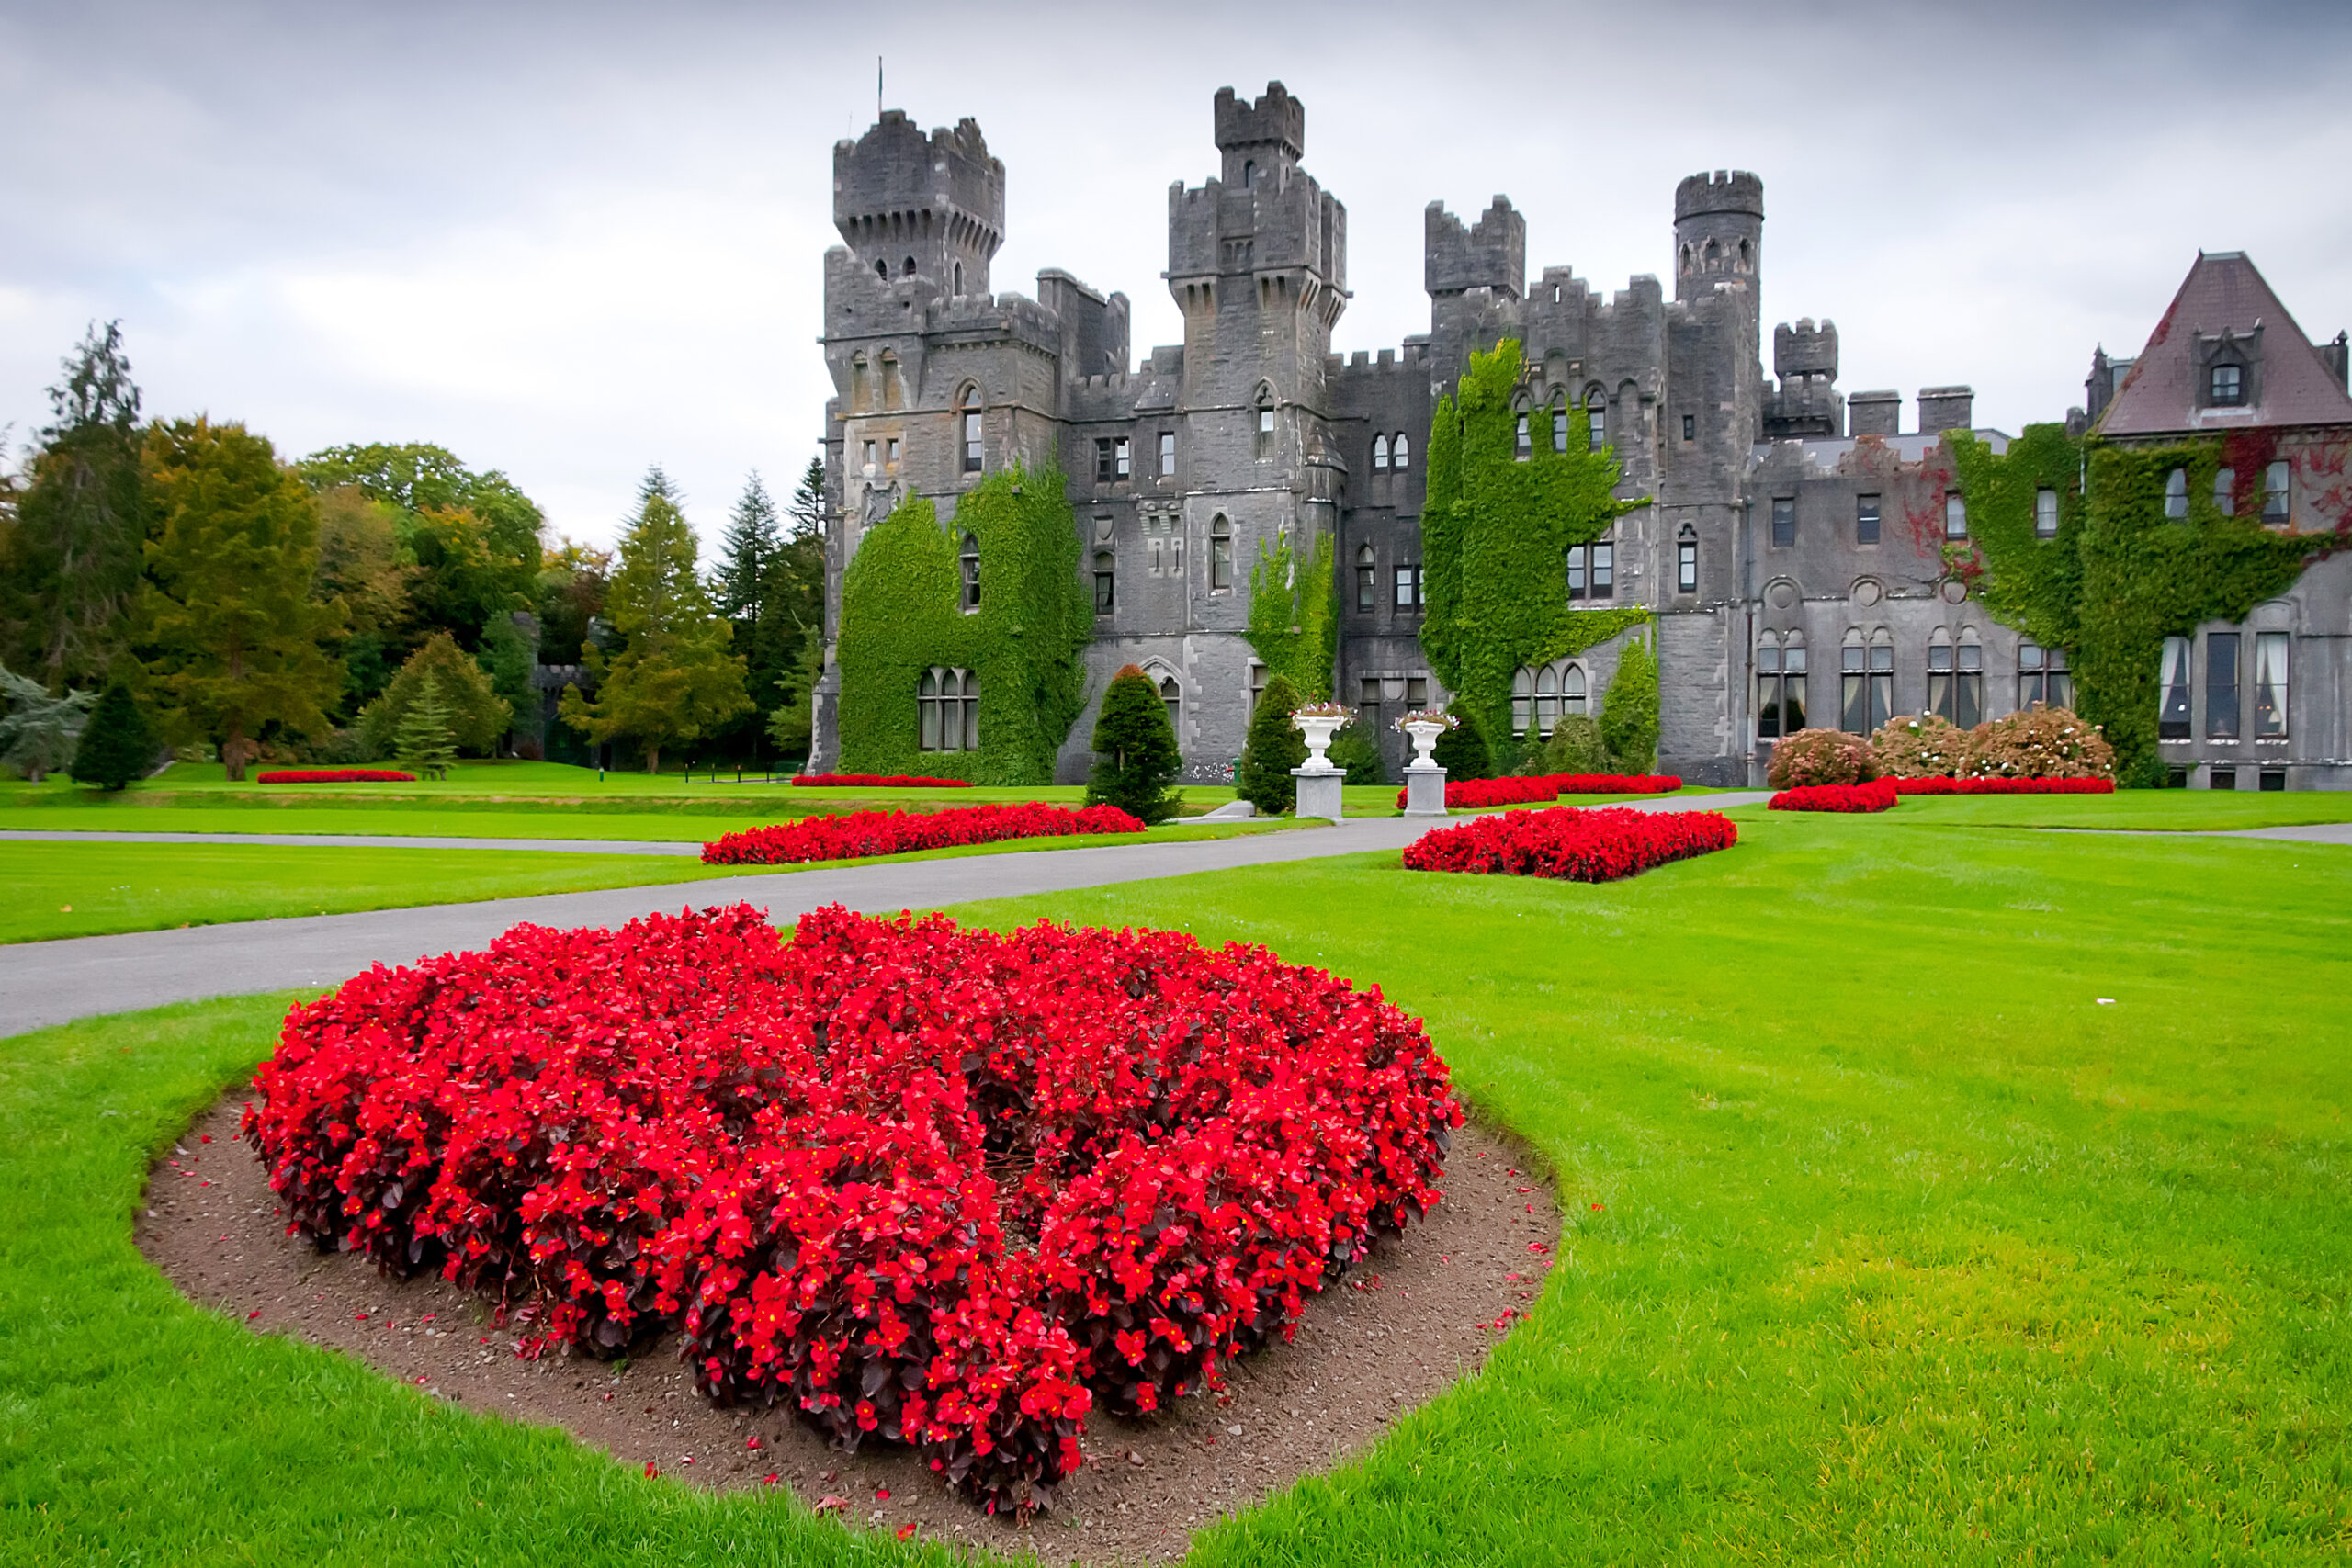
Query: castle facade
column 1796, row 551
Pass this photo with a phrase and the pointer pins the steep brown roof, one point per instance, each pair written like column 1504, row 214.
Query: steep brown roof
column 2224, row 292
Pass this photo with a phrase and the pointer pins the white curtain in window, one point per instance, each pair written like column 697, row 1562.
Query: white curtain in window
column 2270, row 683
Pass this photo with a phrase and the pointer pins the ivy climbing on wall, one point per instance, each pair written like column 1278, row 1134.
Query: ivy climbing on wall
column 903, row 614
column 2121, row 576
column 1295, row 616
column 1495, row 534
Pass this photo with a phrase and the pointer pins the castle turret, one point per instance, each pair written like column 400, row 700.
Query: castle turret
column 1718, row 231
column 1260, row 140
column 915, row 205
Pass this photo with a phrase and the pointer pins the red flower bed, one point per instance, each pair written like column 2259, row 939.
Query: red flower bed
column 2003, row 786
column 850, row 834
column 337, row 775
column 875, row 781
column 1876, row 795
column 923, row 1185
column 1590, row 844
column 1467, row 794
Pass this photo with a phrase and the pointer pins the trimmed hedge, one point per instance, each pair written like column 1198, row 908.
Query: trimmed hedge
column 1879, row 795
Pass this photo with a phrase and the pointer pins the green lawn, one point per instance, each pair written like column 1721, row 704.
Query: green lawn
column 2164, row 810
column 64, row 889
column 1910, row 1251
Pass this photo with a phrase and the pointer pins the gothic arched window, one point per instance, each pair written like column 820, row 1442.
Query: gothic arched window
column 1596, row 414
column 970, row 562
column 1174, row 695
column 968, row 417
column 1220, row 556
column 1379, row 453
column 1367, row 579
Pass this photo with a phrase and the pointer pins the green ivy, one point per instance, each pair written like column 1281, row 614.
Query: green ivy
column 1629, row 713
column 1295, row 616
column 2121, row 576
column 1495, row 531
column 903, row 612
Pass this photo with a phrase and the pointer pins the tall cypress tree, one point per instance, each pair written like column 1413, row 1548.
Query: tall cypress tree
column 74, row 568
column 1135, row 755
column 1273, row 747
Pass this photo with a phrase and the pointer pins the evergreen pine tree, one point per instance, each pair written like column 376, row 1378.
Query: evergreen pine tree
column 1135, row 755
column 752, row 540
column 1273, row 747
column 806, row 509
column 426, row 742
column 118, row 742
column 1462, row 752
column 73, row 572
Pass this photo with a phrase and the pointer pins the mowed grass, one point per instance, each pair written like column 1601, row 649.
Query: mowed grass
column 1888, row 1242
column 2151, row 810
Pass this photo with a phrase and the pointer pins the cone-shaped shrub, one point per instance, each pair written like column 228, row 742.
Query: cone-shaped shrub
column 425, row 741
column 117, row 744
column 1462, row 752
column 1273, row 749
column 1135, row 758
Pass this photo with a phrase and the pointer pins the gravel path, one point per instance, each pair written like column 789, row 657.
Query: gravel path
column 51, row 982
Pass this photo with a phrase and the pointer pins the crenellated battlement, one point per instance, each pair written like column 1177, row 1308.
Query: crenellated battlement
column 1726, row 190
column 1489, row 254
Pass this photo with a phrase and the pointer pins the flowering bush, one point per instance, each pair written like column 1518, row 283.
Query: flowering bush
column 1821, row 757
column 848, row 835
column 1592, row 844
column 1437, row 717
column 1919, row 746
column 2005, row 787
column 2040, row 743
column 1468, row 795
column 920, row 1184
column 1877, row 795
column 875, row 781
column 337, row 775
column 1323, row 710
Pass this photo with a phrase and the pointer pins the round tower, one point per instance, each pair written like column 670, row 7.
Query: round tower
column 1718, row 231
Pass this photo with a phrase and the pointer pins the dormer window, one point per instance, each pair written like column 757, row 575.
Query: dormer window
column 2227, row 386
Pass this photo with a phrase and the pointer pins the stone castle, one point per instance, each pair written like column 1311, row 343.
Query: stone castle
column 1791, row 552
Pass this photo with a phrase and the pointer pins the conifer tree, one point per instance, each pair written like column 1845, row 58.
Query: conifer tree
column 749, row 548
column 1273, row 747
column 674, row 680
column 73, row 571
column 228, row 608
column 1462, row 752
column 40, row 729
column 425, row 741
column 118, row 743
column 477, row 714
column 1135, row 755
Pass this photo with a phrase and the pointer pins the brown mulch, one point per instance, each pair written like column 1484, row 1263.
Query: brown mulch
column 1390, row 1336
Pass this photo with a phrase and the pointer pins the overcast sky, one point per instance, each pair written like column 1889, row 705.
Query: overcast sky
column 568, row 241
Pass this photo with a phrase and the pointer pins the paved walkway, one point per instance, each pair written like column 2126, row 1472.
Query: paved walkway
column 2309, row 833
column 52, row 981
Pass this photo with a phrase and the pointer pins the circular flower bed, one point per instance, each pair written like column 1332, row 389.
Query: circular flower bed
column 848, row 835
column 922, row 1184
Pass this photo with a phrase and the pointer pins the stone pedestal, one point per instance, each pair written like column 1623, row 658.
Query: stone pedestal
column 1318, row 791
column 1424, row 789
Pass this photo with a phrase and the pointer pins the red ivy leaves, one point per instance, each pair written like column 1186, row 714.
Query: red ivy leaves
column 923, row 1185
column 1879, row 795
column 876, row 781
column 850, row 834
column 2003, row 786
column 1467, row 794
column 1594, row 844
column 337, row 775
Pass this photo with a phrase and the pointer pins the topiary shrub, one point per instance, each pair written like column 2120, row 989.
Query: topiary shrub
column 1821, row 757
column 2043, row 743
column 1463, row 751
column 1575, row 747
column 1629, row 713
column 1919, row 746
column 1273, row 749
column 117, row 744
column 1355, row 753
column 1136, row 756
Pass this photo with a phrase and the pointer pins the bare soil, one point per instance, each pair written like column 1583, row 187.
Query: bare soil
column 1422, row 1313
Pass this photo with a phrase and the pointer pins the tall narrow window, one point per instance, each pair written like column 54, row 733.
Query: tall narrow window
column 2172, row 709
column 971, row 440
column 927, row 711
column 1123, row 459
column 1547, row 701
column 1524, row 448
column 1104, row 578
column 1105, row 470
column 1784, row 521
column 1940, row 676
column 1604, row 570
column 2061, row 685
column 1379, row 453
column 1596, row 414
column 1257, row 683
column 1572, row 692
column 1881, row 680
column 1866, row 680
column 1968, row 681
column 1220, row 557
column 1769, row 687
column 890, row 454
column 2278, row 481
column 2226, row 389
column 1173, row 697
column 1265, row 425
column 2221, row 685
column 1175, row 547
column 2033, row 677
column 970, row 559
column 1559, row 424
column 1955, row 517
column 1367, row 580
column 2270, row 685
column 2225, row 491
column 1167, row 454
column 1401, row 451
column 2176, row 493
column 1522, row 700
column 1690, row 427
column 971, row 710
column 1865, row 520
column 1686, row 561
column 860, row 396
column 957, row 286
column 1155, row 556
column 2045, row 514
column 1577, row 564
column 1409, row 587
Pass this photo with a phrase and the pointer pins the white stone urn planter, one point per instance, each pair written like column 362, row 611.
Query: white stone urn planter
column 1424, row 780
column 1319, row 781
column 1318, row 729
column 1423, row 733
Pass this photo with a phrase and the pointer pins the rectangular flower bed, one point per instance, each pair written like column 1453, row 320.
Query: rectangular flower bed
column 1533, row 789
column 1574, row 844
column 1879, row 795
column 337, row 776
column 852, row 834
column 875, row 781
column 2003, row 786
